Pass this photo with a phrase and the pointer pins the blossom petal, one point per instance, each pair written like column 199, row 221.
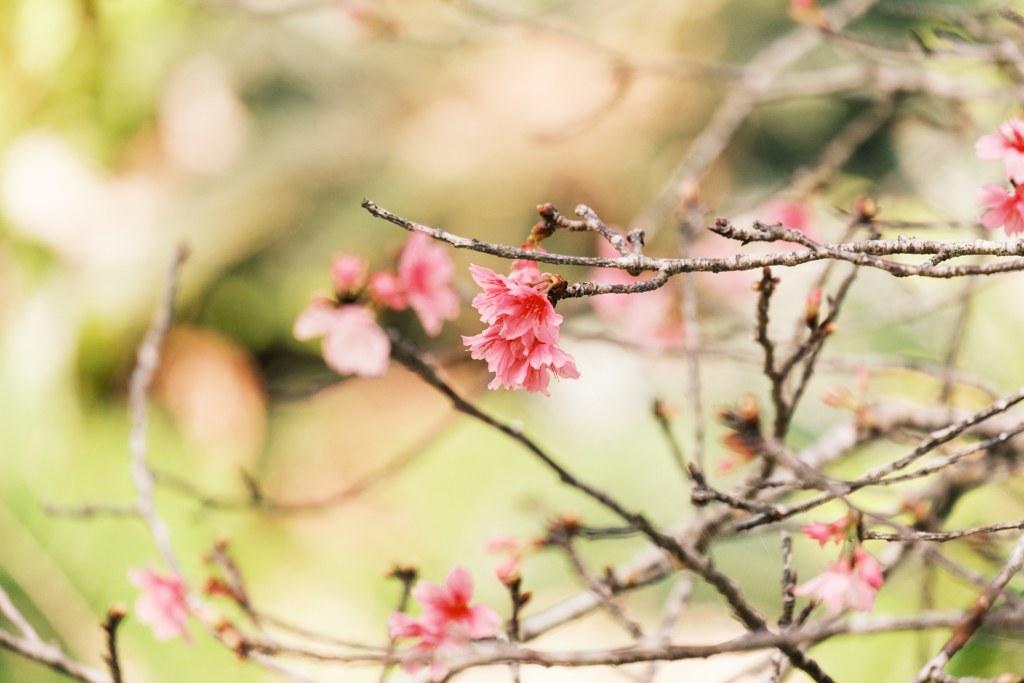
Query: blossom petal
column 460, row 583
column 314, row 321
column 991, row 194
column 431, row 596
column 438, row 671
column 991, row 147
column 1013, row 164
column 355, row 344
column 401, row 625
column 483, row 622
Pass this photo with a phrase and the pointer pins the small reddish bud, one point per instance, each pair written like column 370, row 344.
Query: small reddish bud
column 865, row 208
column 540, row 231
column 214, row 587
column 813, row 307
column 664, row 411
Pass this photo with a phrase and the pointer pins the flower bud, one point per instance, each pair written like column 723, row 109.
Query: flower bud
column 813, row 307
column 347, row 273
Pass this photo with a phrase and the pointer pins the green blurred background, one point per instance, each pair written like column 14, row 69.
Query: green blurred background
column 251, row 130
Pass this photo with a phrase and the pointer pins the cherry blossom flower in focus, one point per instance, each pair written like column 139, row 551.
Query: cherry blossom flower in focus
column 839, row 586
column 162, row 604
column 650, row 319
column 425, row 272
column 1007, row 143
column 521, row 344
column 1006, row 207
column 823, row 533
column 353, row 342
column 448, row 621
column 347, row 273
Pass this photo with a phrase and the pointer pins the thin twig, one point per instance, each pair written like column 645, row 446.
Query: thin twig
column 975, row 616
column 115, row 615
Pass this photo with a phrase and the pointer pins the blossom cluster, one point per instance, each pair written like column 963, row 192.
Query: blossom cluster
column 448, row 621
column 521, row 343
column 353, row 342
column 1005, row 206
column 851, row 581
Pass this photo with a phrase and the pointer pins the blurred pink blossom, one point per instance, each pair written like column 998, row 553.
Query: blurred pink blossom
column 823, row 533
column 795, row 214
column 839, row 587
column 1007, row 143
column 448, row 621
column 1006, row 207
column 520, row 346
column 513, row 551
column 386, row 290
column 162, row 604
column 202, row 122
column 868, row 567
column 651, row 319
column 353, row 342
column 848, row 582
column 425, row 271
column 347, row 272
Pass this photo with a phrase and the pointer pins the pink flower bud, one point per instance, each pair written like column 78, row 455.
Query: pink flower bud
column 347, row 273
column 386, row 290
column 813, row 307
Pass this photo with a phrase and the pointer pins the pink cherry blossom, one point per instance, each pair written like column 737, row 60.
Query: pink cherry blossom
column 1007, row 143
column 425, row 271
column 1006, row 207
column 386, row 290
column 448, row 620
column 347, row 273
column 650, row 319
column 353, row 342
column 868, row 568
column 527, row 272
column 162, row 604
column 520, row 346
column 823, row 533
column 839, row 587
column 516, row 307
column 434, row 642
column 520, row 363
column 513, row 551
